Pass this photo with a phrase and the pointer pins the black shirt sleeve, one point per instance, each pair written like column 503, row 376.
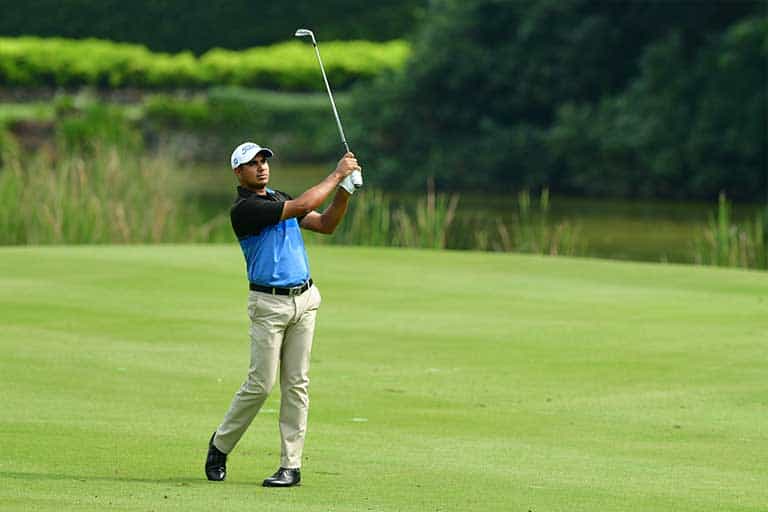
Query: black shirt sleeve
column 283, row 197
column 249, row 216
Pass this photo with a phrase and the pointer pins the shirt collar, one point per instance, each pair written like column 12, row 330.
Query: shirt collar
column 245, row 193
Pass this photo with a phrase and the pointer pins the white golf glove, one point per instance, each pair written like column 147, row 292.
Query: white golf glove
column 352, row 182
column 357, row 179
column 347, row 185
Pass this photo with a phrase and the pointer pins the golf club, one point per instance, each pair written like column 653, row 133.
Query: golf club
column 357, row 178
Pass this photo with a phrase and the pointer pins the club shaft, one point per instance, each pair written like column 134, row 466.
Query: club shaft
column 333, row 103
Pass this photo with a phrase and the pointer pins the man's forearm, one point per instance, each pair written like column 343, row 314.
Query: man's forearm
column 315, row 196
column 335, row 212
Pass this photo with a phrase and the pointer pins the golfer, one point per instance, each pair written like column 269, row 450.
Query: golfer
column 282, row 303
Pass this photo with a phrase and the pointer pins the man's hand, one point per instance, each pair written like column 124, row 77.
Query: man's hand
column 314, row 197
column 347, row 164
column 347, row 160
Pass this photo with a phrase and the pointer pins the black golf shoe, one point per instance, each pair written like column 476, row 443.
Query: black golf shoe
column 284, row 477
column 215, row 463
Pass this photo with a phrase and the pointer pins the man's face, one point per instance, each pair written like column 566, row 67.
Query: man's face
column 254, row 175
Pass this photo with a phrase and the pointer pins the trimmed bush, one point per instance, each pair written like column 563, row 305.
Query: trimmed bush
column 31, row 61
column 293, row 66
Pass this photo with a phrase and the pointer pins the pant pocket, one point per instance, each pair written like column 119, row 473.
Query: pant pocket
column 253, row 304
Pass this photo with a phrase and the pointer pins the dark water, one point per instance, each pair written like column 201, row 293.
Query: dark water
column 638, row 230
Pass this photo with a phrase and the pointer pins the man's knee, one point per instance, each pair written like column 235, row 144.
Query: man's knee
column 257, row 386
column 296, row 390
column 295, row 381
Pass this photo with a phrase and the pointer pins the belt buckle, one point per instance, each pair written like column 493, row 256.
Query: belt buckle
column 296, row 290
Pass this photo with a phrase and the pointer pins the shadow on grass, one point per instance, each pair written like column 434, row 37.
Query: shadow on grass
column 178, row 482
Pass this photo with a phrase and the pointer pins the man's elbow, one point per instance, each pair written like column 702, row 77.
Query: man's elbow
column 327, row 227
column 303, row 208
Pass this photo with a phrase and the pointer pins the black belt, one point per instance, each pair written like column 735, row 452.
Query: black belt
column 291, row 292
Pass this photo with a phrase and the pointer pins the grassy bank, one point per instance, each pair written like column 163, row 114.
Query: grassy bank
column 440, row 381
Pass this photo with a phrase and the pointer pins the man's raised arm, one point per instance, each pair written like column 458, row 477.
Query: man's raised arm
column 315, row 196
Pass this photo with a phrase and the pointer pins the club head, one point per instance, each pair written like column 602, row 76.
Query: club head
column 304, row 32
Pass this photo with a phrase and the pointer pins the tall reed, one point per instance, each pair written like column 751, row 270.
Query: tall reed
column 724, row 243
column 532, row 230
column 430, row 222
column 109, row 196
column 373, row 219
column 368, row 220
column 12, row 224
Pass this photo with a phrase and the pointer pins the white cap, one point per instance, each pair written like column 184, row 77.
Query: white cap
column 245, row 152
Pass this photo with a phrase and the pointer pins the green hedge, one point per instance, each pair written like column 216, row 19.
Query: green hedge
column 292, row 66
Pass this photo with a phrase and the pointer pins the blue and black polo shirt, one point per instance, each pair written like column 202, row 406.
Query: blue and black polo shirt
column 273, row 248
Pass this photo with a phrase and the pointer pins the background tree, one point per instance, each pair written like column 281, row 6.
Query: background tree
column 537, row 93
column 686, row 126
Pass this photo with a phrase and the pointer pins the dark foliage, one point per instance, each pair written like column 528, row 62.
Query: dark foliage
column 196, row 25
column 591, row 97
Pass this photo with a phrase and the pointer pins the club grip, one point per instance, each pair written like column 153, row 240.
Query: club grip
column 357, row 179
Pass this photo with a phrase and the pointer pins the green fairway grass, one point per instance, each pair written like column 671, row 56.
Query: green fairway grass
column 440, row 381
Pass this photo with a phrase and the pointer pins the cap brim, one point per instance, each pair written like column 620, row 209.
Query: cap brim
column 262, row 151
column 240, row 160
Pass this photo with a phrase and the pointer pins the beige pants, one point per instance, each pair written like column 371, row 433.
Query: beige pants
column 281, row 337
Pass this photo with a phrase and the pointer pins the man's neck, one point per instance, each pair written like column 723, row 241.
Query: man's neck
column 262, row 191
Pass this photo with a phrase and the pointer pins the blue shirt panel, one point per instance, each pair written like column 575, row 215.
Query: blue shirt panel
column 276, row 256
